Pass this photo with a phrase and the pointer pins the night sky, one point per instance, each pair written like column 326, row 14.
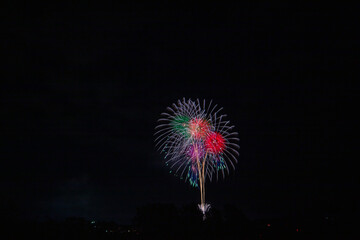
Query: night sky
column 85, row 85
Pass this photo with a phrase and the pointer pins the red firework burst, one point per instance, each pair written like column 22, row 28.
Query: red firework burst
column 199, row 128
column 215, row 143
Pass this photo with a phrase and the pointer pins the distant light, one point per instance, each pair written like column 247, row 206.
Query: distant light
column 268, row 224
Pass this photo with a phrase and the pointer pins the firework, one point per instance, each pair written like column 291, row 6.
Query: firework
column 197, row 142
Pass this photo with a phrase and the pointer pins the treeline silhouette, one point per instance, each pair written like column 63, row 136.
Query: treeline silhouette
column 166, row 221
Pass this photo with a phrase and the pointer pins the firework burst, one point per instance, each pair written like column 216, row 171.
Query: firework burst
column 197, row 142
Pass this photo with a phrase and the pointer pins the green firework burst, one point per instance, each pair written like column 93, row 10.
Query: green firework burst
column 181, row 125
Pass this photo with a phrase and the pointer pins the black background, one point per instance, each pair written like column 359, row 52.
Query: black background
column 84, row 86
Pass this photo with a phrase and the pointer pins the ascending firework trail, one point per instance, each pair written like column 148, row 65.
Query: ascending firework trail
column 197, row 142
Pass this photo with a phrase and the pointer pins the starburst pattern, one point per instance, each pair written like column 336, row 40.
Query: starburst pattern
column 197, row 142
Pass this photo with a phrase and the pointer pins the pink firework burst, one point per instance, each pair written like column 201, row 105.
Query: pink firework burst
column 196, row 151
column 199, row 128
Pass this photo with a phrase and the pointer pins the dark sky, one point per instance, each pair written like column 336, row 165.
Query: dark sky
column 85, row 85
